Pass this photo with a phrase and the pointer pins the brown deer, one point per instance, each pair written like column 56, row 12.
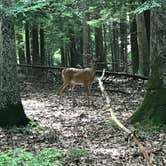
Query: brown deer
column 75, row 76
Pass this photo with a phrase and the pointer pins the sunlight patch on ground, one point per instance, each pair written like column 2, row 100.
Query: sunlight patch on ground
column 104, row 151
column 35, row 104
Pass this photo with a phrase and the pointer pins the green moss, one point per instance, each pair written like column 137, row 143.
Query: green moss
column 152, row 110
column 13, row 115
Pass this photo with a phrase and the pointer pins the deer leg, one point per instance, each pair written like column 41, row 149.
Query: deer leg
column 87, row 88
column 62, row 88
column 73, row 97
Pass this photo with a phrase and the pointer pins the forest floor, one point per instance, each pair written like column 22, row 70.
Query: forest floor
column 86, row 131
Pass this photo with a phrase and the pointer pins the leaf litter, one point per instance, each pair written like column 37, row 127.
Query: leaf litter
column 66, row 127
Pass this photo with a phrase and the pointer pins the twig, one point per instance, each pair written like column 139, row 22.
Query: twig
column 115, row 119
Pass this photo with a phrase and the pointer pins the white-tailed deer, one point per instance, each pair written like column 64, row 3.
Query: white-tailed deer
column 75, row 76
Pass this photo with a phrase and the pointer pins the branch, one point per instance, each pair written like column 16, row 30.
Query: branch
column 115, row 119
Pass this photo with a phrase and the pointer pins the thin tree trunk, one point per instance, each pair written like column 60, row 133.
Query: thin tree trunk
column 20, row 49
column 42, row 47
column 134, row 45
column 101, row 58
column 35, row 45
column 27, row 43
column 115, row 44
column 75, row 54
column 123, row 44
column 86, row 34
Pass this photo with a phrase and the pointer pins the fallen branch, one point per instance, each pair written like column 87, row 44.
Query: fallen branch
column 114, row 118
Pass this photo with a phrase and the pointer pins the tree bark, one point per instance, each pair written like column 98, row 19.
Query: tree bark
column 115, row 44
column 99, row 49
column 42, row 47
column 134, row 45
column 11, row 109
column 123, row 44
column 74, row 52
column 20, row 48
column 144, row 61
column 35, row 45
column 86, row 36
column 27, row 44
column 152, row 110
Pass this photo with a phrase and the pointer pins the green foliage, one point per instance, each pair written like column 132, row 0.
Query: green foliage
column 149, row 4
column 45, row 157
column 74, row 155
column 57, row 57
column 77, row 153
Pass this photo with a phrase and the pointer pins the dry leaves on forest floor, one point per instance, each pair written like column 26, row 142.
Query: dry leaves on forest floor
column 64, row 127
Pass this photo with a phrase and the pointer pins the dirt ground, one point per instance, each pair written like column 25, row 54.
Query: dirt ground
column 89, row 128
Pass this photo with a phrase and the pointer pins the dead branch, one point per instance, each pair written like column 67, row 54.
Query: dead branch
column 115, row 119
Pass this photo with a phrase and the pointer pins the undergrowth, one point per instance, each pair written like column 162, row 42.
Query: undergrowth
column 44, row 157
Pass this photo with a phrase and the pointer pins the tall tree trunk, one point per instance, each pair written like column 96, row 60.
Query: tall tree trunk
column 35, row 45
column 11, row 109
column 123, row 44
column 75, row 54
column 42, row 47
column 115, row 43
column 147, row 24
column 105, row 40
column 63, row 58
column 86, row 35
column 153, row 107
column 134, row 45
column 101, row 58
column 80, row 50
column 27, row 43
column 144, row 58
column 20, row 49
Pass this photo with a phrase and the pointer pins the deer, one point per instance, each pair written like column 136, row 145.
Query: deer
column 78, row 76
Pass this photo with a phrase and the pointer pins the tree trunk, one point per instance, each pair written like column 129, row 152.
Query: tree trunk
column 35, row 45
column 142, row 45
column 86, row 35
column 123, row 44
column 101, row 58
column 11, row 109
column 42, row 47
column 147, row 24
column 27, row 43
column 153, row 107
column 63, row 58
column 74, row 52
column 20, row 49
column 115, row 44
column 134, row 45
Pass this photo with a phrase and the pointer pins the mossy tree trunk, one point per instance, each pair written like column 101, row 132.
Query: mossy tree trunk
column 153, row 108
column 11, row 109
